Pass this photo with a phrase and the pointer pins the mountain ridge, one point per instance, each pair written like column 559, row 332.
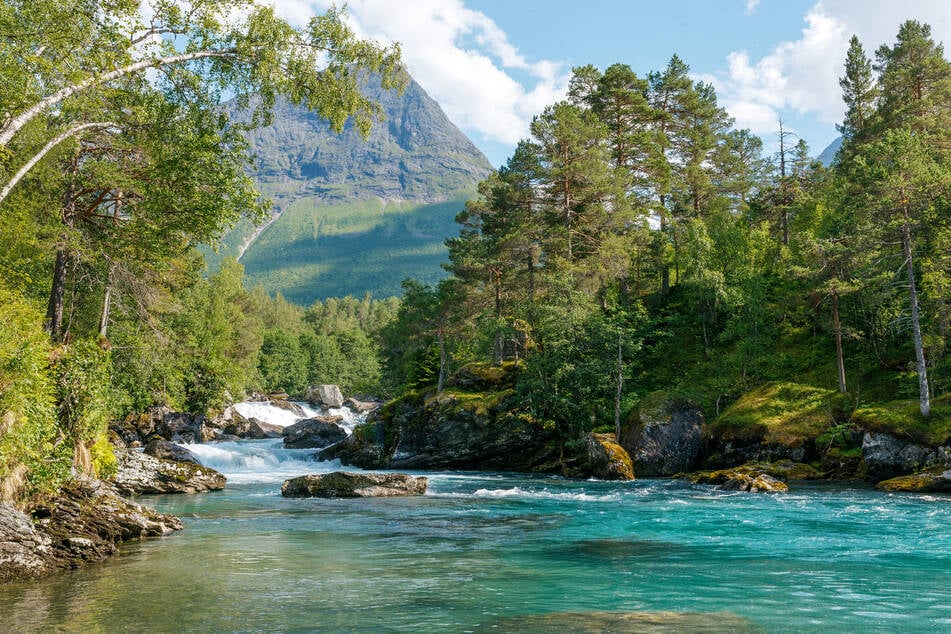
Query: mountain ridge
column 345, row 206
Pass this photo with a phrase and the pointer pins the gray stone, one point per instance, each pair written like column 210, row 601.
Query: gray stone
column 324, row 395
column 314, row 433
column 346, row 484
column 362, row 407
column 141, row 473
column 887, row 456
column 663, row 438
column 168, row 450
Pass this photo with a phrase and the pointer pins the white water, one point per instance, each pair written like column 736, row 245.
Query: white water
column 245, row 461
column 267, row 412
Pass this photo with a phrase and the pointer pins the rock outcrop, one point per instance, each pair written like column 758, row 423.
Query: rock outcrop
column 324, row 396
column 362, row 407
column 314, row 433
column 141, row 473
column 662, row 436
column 887, row 456
column 345, row 484
column 82, row 524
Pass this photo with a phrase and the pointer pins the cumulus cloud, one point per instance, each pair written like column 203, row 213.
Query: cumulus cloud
column 461, row 58
column 802, row 75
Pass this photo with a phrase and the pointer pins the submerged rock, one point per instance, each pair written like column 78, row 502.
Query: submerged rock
column 315, row 433
column 167, row 450
column 82, row 524
column 141, row 473
column 584, row 622
column 934, row 480
column 346, row 484
column 324, row 395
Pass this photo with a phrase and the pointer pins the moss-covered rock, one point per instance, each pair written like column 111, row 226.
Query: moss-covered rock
column 773, row 422
column 607, row 460
column 743, row 478
column 933, row 480
column 903, row 419
column 345, row 484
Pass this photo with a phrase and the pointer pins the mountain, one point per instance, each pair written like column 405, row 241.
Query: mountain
column 354, row 215
column 828, row 154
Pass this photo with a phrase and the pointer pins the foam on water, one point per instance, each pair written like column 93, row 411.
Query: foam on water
column 267, row 412
column 247, row 461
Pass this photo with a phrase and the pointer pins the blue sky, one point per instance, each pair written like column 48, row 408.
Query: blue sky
column 493, row 64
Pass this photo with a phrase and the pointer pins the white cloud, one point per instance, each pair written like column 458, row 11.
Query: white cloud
column 461, row 58
column 751, row 5
column 802, row 75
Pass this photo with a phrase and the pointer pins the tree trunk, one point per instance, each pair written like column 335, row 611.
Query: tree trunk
column 665, row 269
column 443, row 361
column 924, row 397
column 840, row 361
column 620, row 388
column 106, row 300
column 54, row 309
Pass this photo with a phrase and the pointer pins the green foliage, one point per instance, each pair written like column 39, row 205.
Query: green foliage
column 903, row 419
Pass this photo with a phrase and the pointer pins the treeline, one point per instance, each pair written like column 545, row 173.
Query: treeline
column 117, row 159
column 638, row 242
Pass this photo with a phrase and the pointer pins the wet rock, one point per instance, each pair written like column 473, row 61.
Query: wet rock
column 167, row 450
column 934, row 480
column 887, row 456
column 607, row 459
column 345, row 484
column 743, row 478
column 314, row 433
column 180, row 426
column 293, row 408
column 663, row 437
column 82, row 524
column 362, row 407
column 141, row 473
column 251, row 428
column 324, row 396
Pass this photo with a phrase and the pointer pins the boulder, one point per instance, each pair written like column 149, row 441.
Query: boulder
column 743, row 478
column 180, row 426
column 934, row 480
column 324, row 395
column 167, row 450
column 887, row 456
column 314, row 433
column 346, row 484
column 362, row 407
column 662, row 436
column 82, row 524
column 286, row 405
column 251, row 428
column 607, row 459
column 141, row 473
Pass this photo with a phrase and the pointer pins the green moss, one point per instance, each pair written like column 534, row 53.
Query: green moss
column 903, row 418
column 479, row 403
column 780, row 413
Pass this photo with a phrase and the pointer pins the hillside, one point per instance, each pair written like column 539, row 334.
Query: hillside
column 355, row 215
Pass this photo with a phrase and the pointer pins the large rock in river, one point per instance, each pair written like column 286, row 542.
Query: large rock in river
column 314, row 433
column 934, row 480
column 346, row 484
column 251, row 428
column 324, row 395
column 166, row 450
column 608, row 460
column 663, row 436
column 81, row 524
column 887, row 456
column 141, row 473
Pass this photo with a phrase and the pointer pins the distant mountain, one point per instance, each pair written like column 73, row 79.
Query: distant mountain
column 828, row 154
column 354, row 215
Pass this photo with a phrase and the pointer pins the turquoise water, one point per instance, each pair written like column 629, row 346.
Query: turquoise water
column 497, row 552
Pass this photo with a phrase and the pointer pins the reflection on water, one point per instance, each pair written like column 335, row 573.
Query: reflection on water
column 513, row 553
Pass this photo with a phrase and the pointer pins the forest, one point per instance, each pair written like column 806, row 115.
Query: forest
column 635, row 243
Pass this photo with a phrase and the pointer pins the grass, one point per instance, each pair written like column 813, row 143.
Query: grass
column 903, row 419
column 780, row 413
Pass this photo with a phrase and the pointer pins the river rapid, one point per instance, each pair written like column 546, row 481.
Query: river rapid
column 507, row 552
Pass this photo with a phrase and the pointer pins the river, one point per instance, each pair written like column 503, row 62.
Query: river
column 506, row 552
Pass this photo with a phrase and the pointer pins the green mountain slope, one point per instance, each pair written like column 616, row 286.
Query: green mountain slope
column 354, row 215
